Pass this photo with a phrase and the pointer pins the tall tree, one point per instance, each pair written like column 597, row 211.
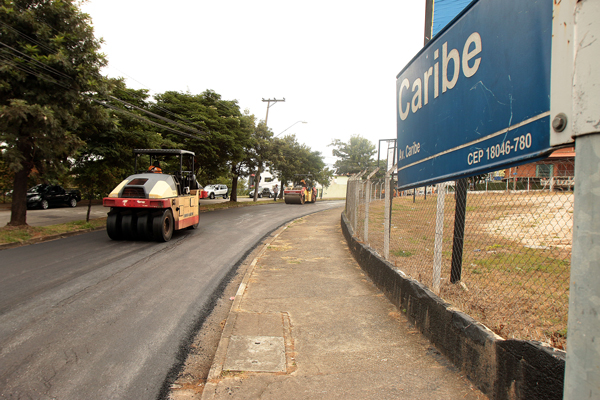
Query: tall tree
column 354, row 156
column 261, row 153
column 221, row 131
column 239, row 156
column 109, row 135
column 292, row 158
column 49, row 57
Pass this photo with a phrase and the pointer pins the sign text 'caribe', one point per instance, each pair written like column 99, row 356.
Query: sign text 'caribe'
column 421, row 87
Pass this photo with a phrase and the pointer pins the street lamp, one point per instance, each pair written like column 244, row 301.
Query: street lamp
column 304, row 122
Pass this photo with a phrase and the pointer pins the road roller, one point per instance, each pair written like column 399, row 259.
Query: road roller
column 156, row 200
column 300, row 194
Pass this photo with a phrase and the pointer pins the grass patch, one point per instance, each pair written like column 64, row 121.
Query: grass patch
column 18, row 234
column 401, row 253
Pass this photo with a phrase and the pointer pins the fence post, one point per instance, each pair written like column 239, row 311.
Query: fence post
column 351, row 195
column 357, row 200
column 387, row 213
column 439, row 236
column 367, row 201
column 582, row 372
column 348, row 199
column 460, row 193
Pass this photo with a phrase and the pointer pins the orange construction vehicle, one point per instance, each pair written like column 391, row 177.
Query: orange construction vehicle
column 151, row 205
column 302, row 192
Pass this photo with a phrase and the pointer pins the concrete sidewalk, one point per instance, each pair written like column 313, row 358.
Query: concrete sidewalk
column 306, row 323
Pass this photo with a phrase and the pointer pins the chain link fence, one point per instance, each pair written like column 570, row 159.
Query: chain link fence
column 502, row 254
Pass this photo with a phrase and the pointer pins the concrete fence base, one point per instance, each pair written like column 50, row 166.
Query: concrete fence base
column 501, row 369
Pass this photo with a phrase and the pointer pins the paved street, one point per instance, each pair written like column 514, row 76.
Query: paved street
column 60, row 215
column 87, row 317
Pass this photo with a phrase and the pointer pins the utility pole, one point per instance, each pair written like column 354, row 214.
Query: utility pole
column 259, row 169
column 269, row 105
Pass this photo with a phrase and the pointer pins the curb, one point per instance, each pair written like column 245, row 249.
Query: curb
column 217, row 365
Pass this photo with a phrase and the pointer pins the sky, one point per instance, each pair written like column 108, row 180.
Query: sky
column 334, row 62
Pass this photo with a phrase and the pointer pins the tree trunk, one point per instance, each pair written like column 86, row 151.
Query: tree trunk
column 18, row 209
column 87, row 217
column 234, row 184
column 257, row 182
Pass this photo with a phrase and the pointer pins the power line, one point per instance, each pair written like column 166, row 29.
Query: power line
column 36, row 62
column 145, row 120
column 105, row 104
column 42, row 45
column 40, row 75
column 52, row 52
column 159, row 117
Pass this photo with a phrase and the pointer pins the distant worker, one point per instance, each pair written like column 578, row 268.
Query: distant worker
column 303, row 183
column 155, row 168
column 275, row 190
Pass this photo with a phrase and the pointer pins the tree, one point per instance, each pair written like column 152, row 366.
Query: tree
column 222, row 133
column 292, row 158
column 355, row 156
column 240, row 159
column 109, row 136
column 262, row 152
column 49, row 58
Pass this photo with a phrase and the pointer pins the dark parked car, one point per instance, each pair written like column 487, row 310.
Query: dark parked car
column 262, row 192
column 44, row 196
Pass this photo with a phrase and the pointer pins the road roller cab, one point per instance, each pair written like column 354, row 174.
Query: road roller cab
column 156, row 200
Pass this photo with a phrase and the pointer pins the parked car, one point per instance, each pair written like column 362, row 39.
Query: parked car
column 44, row 196
column 262, row 192
column 266, row 192
column 213, row 191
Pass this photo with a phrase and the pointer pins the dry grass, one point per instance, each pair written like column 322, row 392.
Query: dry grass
column 516, row 257
column 15, row 234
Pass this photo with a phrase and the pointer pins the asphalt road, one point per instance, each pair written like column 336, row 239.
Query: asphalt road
column 63, row 214
column 89, row 318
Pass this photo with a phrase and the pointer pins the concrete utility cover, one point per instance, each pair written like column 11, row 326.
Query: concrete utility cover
column 255, row 353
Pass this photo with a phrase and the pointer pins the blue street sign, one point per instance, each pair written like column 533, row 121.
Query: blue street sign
column 445, row 11
column 477, row 97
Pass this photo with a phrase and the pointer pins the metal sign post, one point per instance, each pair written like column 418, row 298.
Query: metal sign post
column 582, row 375
column 387, row 213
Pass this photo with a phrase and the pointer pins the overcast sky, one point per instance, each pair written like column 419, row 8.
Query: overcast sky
column 334, row 62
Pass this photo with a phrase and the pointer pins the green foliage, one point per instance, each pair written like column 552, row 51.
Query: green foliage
column 222, row 131
column 50, row 58
column 109, row 137
column 355, row 156
column 291, row 158
column 54, row 128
